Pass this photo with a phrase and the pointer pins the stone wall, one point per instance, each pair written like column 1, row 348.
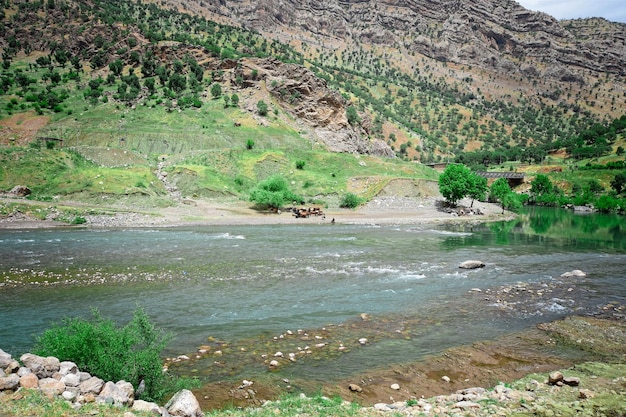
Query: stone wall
column 63, row 379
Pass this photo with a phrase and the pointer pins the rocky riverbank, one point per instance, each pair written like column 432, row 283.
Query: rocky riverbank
column 63, row 380
column 20, row 213
column 588, row 389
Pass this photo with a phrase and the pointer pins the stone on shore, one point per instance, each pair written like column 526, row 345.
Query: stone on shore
column 92, row 385
column 555, row 378
column 5, row 359
column 184, row 404
column 119, row 394
column 29, row 381
column 146, row 407
column 51, row 387
column 42, row 367
column 9, row 382
column 355, row 388
column 471, row 264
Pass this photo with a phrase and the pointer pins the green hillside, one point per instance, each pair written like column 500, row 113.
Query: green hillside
column 95, row 95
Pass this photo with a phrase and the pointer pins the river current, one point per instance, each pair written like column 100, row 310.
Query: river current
column 238, row 283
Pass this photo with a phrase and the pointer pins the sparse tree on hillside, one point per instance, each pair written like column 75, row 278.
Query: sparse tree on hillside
column 262, row 108
column 216, row 90
column 619, row 182
column 116, row 67
column 352, row 115
column 234, row 100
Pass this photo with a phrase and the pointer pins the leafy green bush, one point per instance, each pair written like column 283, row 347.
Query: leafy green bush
column 350, row 200
column 607, row 204
column 262, row 108
column 130, row 353
column 273, row 193
column 79, row 220
column 300, row 164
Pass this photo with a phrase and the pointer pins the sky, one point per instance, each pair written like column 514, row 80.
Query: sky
column 613, row 10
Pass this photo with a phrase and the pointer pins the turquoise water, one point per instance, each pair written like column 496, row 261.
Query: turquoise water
column 237, row 283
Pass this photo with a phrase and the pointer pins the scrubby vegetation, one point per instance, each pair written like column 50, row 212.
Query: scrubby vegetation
column 273, row 193
column 99, row 346
column 458, row 181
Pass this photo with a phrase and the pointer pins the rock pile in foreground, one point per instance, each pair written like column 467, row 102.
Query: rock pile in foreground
column 63, row 379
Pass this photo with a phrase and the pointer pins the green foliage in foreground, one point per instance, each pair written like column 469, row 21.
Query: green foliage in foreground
column 130, row 353
column 273, row 193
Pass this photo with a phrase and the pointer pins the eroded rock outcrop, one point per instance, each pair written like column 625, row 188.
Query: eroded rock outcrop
column 309, row 99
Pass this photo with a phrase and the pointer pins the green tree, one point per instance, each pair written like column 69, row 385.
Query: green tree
column 619, row 182
column 116, row 67
column 500, row 191
column 149, row 83
column 607, row 203
column 542, row 190
column 234, row 100
column 541, row 185
column 273, row 193
column 75, row 60
column 249, row 144
column 595, row 187
column 262, row 108
column 60, row 55
column 455, row 183
column 478, row 188
column 216, row 90
column 352, row 115
column 177, row 82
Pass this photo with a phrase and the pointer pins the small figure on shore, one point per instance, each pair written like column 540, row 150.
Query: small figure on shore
column 333, row 221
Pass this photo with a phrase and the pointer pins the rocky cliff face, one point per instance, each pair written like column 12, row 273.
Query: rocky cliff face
column 309, row 100
column 496, row 34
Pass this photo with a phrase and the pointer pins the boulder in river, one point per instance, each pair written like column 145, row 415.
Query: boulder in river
column 471, row 264
column 575, row 273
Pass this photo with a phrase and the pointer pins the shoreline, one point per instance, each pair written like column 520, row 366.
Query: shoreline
column 189, row 213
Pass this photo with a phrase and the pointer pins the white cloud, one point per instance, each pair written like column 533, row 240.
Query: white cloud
column 614, row 10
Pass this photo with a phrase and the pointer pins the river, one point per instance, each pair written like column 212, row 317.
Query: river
column 247, row 286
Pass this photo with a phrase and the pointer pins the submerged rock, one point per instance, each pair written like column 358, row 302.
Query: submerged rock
column 471, row 264
column 574, row 273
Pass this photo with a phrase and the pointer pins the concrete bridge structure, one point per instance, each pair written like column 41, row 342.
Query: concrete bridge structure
column 514, row 178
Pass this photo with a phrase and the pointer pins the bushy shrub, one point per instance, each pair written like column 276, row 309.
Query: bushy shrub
column 350, row 200
column 300, row 164
column 130, row 353
column 273, row 193
column 607, row 204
